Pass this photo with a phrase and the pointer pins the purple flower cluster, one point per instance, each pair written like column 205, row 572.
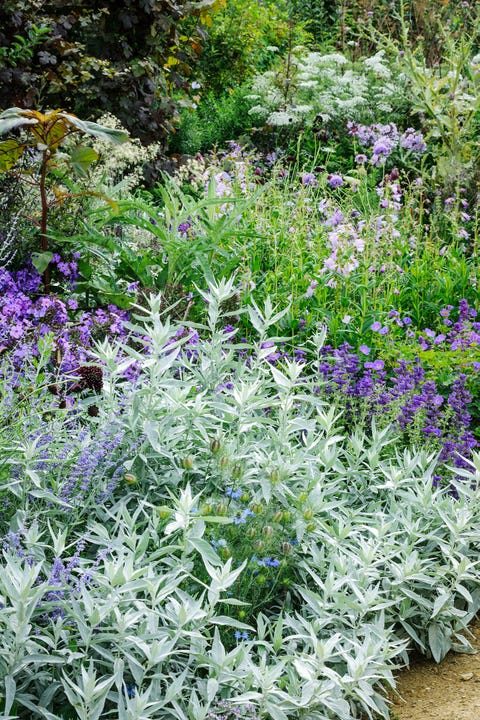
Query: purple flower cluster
column 26, row 316
column 406, row 395
column 384, row 139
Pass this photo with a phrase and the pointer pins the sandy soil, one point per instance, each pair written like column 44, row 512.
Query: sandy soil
column 449, row 691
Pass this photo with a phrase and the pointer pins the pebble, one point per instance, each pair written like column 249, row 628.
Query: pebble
column 466, row 676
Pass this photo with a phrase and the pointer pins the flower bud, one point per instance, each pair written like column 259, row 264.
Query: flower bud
column 274, row 476
column 215, row 445
column 259, row 545
column 267, row 530
column 130, row 478
column 222, row 509
column 308, row 514
column 224, row 461
column 278, row 517
column 261, row 579
column 311, row 527
column 256, row 508
column 187, row 462
column 251, row 532
column 236, row 470
column 286, row 515
column 286, row 548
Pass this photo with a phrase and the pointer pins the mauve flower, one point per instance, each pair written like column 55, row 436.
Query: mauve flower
column 376, row 326
column 309, row 180
column 335, row 180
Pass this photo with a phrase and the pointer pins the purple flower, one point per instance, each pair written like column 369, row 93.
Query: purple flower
column 311, row 289
column 413, row 140
column 376, row 326
column 335, row 180
column 309, row 180
column 364, row 349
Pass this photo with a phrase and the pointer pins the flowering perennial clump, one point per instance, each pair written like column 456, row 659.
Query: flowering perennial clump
column 26, row 316
column 383, row 140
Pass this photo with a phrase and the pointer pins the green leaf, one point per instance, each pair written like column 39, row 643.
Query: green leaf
column 82, row 157
column 10, row 151
column 41, row 261
column 230, row 622
column 96, row 130
column 439, row 643
column 205, row 550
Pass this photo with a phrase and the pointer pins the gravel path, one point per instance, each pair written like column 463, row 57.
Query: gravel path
column 449, row 691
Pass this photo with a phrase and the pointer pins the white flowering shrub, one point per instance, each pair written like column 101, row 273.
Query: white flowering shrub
column 328, row 88
column 120, row 168
column 236, row 475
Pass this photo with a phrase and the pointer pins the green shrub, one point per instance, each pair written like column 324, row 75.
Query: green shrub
column 239, row 42
column 216, row 120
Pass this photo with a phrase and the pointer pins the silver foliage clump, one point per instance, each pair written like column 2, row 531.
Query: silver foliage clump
column 141, row 626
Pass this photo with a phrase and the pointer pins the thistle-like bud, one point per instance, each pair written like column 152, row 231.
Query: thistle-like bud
column 215, row 445
column 187, row 462
column 236, row 470
column 274, row 476
column 286, row 548
column 267, row 530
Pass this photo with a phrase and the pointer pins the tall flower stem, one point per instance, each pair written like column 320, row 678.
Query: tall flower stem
column 44, row 217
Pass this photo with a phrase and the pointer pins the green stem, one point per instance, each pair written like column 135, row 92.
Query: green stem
column 44, row 218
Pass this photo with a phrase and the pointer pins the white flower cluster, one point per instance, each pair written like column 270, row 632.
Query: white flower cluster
column 330, row 87
column 191, row 172
column 120, row 167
